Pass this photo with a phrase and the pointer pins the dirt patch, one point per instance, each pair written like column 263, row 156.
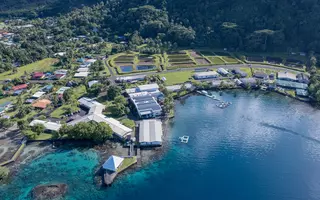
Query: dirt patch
column 202, row 61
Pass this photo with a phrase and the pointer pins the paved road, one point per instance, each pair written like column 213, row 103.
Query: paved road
column 255, row 66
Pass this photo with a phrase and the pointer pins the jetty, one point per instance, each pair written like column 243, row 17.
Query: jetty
column 115, row 165
column 205, row 93
column 221, row 104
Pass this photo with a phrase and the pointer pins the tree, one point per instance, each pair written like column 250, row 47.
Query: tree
column 5, row 123
column 121, row 100
column 95, row 89
column 113, row 91
column 38, row 128
column 68, row 94
column 22, row 125
column 168, row 104
column 119, row 109
column 97, row 132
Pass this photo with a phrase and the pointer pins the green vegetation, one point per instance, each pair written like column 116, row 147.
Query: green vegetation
column 173, row 78
column 216, row 60
column 128, row 123
column 247, row 70
column 63, row 110
column 42, row 66
column 97, row 132
column 127, row 162
column 229, row 59
column 4, row 173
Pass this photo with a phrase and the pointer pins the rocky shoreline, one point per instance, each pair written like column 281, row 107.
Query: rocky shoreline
column 49, row 192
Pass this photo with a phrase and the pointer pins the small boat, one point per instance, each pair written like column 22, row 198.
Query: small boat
column 204, row 92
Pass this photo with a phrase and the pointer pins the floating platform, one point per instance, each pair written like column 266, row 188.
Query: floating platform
column 223, row 104
column 184, row 139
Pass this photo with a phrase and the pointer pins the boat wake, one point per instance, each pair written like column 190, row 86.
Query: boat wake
column 290, row 131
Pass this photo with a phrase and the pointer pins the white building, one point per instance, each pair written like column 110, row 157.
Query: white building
column 148, row 88
column 91, row 83
column 206, row 75
column 82, row 69
column 95, row 114
column 37, row 95
column 146, row 105
column 287, row 76
column 222, row 71
column 113, row 163
column 62, row 90
column 81, row 74
column 150, row 133
column 50, row 126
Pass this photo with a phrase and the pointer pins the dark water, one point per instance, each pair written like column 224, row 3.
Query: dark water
column 262, row 147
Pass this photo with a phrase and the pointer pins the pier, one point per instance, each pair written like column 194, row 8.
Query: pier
column 221, row 104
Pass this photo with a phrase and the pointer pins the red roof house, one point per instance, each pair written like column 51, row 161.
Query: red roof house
column 37, row 75
column 20, row 87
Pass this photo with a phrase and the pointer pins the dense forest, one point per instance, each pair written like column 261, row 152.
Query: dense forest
column 270, row 25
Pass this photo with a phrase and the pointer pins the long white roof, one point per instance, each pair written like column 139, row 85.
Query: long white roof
column 112, row 163
column 90, row 103
column 209, row 73
column 38, row 94
column 115, row 125
column 150, row 131
column 148, row 87
column 48, row 125
column 81, row 74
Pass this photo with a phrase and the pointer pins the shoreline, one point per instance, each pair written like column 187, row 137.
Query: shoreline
column 35, row 150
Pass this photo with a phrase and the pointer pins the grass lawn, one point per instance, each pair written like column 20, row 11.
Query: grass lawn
column 127, row 162
column 216, row 60
column 80, row 91
column 59, row 112
column 31, row 114
column 177, row 77
column 229, row 59
column 6, row 99
column 106, row 71
column 291, row 92
column 43, row 136
column 247, row 70
column 42, row 65
column 268, row 71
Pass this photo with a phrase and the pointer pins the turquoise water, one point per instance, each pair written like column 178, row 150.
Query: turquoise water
column 264, row 147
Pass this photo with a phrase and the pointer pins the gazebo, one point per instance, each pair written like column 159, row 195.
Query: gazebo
column 113, row 163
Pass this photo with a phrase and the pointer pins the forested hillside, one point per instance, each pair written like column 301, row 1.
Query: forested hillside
column 250, row 25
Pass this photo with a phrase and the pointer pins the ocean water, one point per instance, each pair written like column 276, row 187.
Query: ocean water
column 262, row 147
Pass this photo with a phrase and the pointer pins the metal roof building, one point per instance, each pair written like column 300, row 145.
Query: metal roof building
column 148, row 88
column 95, row 114
column 81, row 74
column 146, row 105
column 301, row 92
column 222, row 71
column 51, row 126
column 131, row 78
column 150, row 133
column 290, row 84
column 38, row 95
column 287, row 76
column 205, row 75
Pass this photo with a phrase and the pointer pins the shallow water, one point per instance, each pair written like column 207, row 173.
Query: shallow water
column 262, row 147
